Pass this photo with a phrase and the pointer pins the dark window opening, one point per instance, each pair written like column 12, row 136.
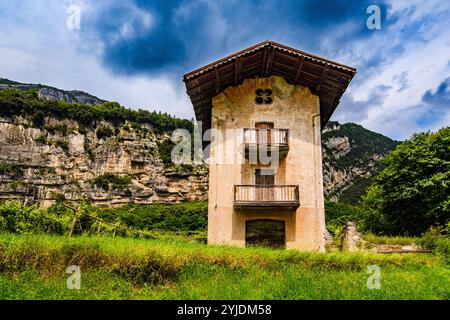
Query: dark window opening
column 266, row 233
column 263, row 96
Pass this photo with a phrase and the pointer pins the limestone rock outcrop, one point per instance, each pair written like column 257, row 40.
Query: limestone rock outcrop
column 62, row 160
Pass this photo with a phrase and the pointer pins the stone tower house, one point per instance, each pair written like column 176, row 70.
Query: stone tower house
column 266, row 106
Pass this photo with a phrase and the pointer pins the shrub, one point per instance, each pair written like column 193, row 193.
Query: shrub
column 38, row 119
column 437, row 239
column 338, row 214
column 11, row 169
column 82, row 130
column 104, row 132
column 165, row 151
column 24, row 219
column 42, row 139
column 110, row 181
column 188, row 216
column 46, row 170
column 63, row 144
column 61, row 128
column 59, row 198
column 89, row 151
column 412, row 192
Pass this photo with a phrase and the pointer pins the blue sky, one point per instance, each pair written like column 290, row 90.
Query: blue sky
column 136, row 52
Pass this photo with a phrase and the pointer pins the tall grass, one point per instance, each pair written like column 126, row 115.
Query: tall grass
column 390, row 240
column 127, row 268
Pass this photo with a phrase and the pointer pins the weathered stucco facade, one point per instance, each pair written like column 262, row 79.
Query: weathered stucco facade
column 294, row 108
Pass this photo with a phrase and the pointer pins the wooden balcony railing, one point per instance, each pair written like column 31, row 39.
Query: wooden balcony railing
column 267, row 196
column 260, row 142
column 266, row 137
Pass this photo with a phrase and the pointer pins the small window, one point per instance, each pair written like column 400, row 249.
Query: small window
column 263, row 96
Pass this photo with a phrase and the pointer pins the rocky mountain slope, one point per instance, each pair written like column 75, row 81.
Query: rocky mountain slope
column 51, row 93
column 50, row 153
column 351, row 156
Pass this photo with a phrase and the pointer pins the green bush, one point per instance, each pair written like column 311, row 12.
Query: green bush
column 17, row 218
column 104, row 132
column 46, row 170
column 38, row 119
column 82, row 130
column 338, row 214
column 412, row 192
column 11, row 169
column 89, row 151
column 185, row 218
column 110, row 181
column 165, row 151
column 63, row 144
column 61, row 128
column 189, row 216
column 42, row 139
column 437, row 239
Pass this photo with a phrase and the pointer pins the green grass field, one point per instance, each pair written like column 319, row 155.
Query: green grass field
column 34, row 267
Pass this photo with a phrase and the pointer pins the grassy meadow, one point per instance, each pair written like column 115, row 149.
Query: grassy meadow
column 34, row 267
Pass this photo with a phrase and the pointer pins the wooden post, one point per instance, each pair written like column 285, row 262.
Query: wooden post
column 74, row 222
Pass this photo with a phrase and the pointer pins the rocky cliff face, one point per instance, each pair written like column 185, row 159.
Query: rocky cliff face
column 351, row 156
column 51, row 93
column 62, row 160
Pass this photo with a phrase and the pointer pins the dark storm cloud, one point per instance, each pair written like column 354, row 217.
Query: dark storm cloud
column 186, row 33
column 350, row 110
column 148, row 48
column 435, row 104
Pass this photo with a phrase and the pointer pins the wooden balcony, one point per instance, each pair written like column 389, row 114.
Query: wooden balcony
column 266, row 141
column 266, row 196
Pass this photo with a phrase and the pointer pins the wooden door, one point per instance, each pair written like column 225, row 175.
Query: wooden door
column 264, row 133
column 264, row 178
column 269, row 233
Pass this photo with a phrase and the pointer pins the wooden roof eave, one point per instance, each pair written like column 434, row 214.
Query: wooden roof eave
column 326, row 78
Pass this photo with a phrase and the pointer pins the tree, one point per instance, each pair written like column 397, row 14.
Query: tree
column 412, row 192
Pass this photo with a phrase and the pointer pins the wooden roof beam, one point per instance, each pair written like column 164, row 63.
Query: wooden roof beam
column 268, row 64
column 298, row 66
column 322, row 76
column 264, row 62
column 216, row 78
column 237, row 70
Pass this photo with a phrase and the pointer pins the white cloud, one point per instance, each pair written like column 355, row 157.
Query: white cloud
column 49, row 53
column 422, row 65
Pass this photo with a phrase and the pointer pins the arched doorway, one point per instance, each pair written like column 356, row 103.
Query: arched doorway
column 267, row 233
